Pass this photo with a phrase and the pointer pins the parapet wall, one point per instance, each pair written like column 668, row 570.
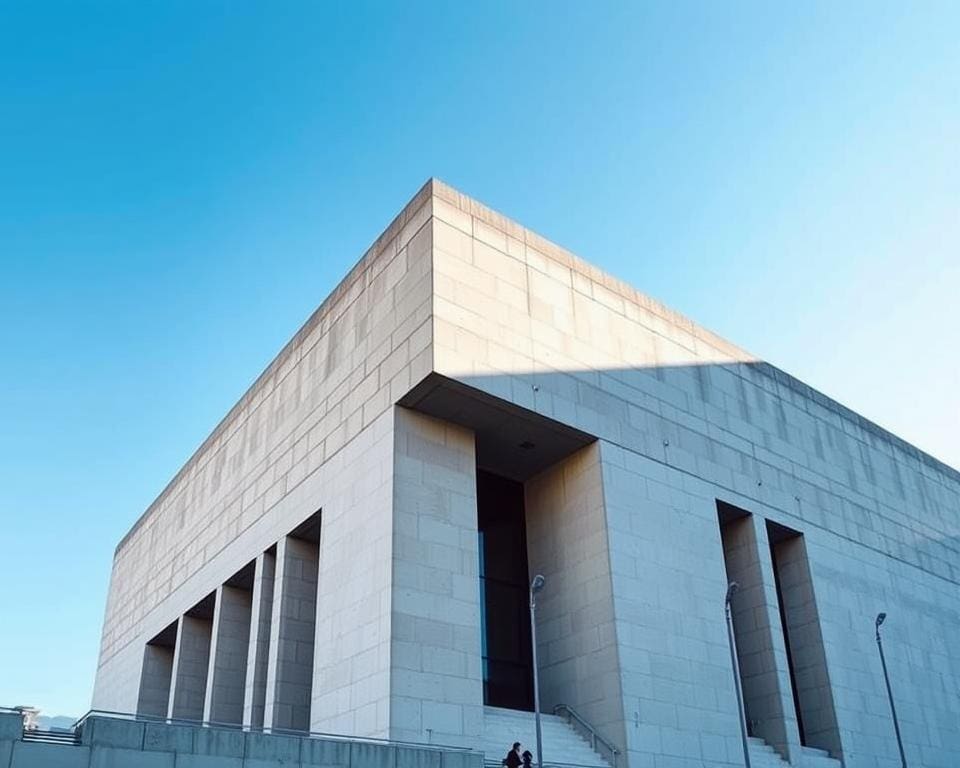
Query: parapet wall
column 119, row 743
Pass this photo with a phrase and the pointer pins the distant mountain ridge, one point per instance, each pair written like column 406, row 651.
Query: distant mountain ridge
column 55, row 722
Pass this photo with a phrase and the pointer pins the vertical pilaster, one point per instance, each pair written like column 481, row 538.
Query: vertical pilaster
column 436, row 685
column 289, row 683
column 223, row 702
column 567, row 543
column 191, row 661
column 255, row 684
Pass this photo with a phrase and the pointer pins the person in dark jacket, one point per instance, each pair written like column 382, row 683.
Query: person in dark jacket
column 512, row 760
column 527, row 759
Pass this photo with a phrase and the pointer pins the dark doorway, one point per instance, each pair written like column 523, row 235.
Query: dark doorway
column 504, row 584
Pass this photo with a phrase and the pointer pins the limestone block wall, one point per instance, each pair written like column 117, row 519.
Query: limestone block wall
column 351, row 691
column 524, row 320
column 273, row 460
column 668, row 577
column 436, row 685
column 853, row 584
column 567, row 543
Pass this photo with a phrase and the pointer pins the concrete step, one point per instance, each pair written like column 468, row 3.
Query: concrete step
column 561, row 744
column 50, row 737
column 762, row 755
column 818, row 758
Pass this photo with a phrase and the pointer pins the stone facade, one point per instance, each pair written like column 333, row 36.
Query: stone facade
column 376, row 415
column 435, row 671
column 568, row 544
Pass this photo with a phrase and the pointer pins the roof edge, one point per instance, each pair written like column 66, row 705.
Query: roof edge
column 468, row 205
column 436, row 188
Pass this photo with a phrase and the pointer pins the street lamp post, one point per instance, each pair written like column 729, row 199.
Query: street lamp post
column 535, row 586
column 731, row 589
column 896, row 725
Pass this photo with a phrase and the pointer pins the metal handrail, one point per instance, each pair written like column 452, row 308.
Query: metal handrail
column 595, row 738
column 546, row 764
column 259, row 729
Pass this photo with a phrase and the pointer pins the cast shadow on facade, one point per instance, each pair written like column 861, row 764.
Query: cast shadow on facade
column 823, row 518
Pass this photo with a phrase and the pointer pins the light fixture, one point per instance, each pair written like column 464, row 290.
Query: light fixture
column 732, row 588
column 535, row 586
column 881, row 617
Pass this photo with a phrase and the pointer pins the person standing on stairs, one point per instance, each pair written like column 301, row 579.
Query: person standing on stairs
column 513, row 760
column 527, row 758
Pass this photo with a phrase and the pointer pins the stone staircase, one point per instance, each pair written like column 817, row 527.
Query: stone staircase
column 818, row 758
column 762, row 755
column 562, row 745
column 38, row 736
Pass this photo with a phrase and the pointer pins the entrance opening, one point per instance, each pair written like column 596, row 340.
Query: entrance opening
column 504, row 585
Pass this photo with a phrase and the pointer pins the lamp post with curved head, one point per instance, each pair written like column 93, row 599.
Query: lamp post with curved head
column 732, row 587
column 535, row 586
column 886, row 678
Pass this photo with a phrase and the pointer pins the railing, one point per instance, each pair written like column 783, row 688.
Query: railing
column 595, row 738
column 140, row 718
column 546, row 764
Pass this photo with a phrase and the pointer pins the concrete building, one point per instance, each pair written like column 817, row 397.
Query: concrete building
column 349, row 551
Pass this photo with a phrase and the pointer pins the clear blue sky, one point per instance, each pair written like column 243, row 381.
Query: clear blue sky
column 182, row 183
